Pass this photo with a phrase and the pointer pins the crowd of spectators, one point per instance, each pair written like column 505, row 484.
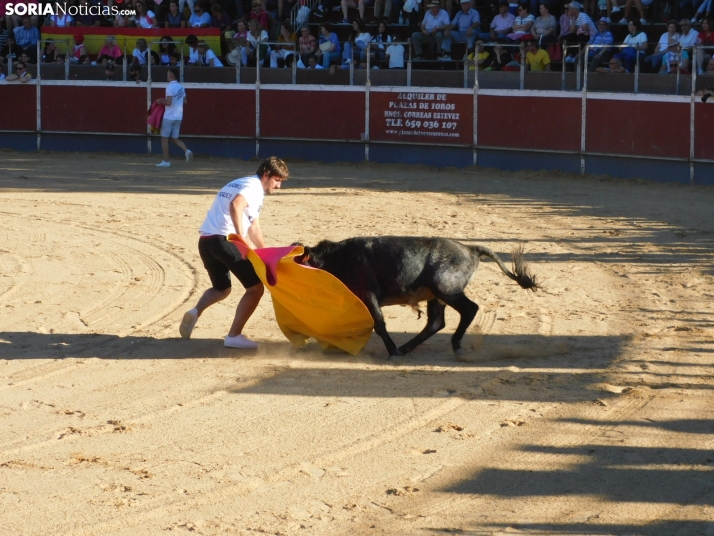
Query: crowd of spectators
column 496, row 36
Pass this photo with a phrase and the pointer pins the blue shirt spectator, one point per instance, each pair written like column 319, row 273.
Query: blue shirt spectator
column 464, row 20
column 27, row 35
column 602, row 37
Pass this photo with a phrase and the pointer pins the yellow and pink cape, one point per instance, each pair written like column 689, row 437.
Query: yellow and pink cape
column 309, row 302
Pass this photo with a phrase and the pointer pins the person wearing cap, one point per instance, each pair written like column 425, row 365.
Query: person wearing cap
column 672, row 58
column 199, row 18
column 687, row 39
column 599, row 56
column 436, row 20
column 580, row 30
column 464, row 28
column 79, row 51
column 653, row 61
column 502, row 24
column 258, row 13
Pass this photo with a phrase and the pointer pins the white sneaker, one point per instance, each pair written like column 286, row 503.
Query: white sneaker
column 188, row 322
column 163, row 163
column 644, row 22
column 239, row 341
column 189, row 156
column 624, row 21
column 694, row 20
column 445, row 58
column 615, row 9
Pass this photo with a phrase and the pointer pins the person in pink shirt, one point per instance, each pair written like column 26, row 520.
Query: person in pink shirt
column 110, row 49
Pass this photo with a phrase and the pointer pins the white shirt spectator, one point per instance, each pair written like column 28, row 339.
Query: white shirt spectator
column 197, row 20
column 688, row 40
column 145, row 21
column 365, row 38
column 396, row 56
column 431, row 22
column 663, row 43
column 193, row 55
column 635, row 40
column 62, row 21
column 252, row 40
column 585, row 20
column 208, row 56
column 140, row 56
column 177, row 94
column 503, row 23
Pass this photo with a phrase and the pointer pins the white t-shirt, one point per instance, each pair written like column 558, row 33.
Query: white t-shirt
column 145, row 21
column 253, row 41
column 140, row 56
column 635, row 40
column 62, row 21
column 663, row 44
column 195, row 21
column 396, row 56
column 177, row 94
column 689, row 39
column 193, row 55
column 218, row 220
column 210, row 55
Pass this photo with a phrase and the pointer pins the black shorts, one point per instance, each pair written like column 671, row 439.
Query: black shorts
column 220, row 257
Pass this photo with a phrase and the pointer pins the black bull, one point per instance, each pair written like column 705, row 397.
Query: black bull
column 399, row 270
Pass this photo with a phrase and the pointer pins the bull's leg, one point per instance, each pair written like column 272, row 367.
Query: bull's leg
column 467, row 309
column 380, row 328
column 434, row 323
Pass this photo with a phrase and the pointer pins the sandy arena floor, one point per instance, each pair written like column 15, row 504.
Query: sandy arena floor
column 582, row 409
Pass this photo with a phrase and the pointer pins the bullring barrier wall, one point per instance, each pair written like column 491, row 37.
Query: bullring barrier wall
column 658, row 137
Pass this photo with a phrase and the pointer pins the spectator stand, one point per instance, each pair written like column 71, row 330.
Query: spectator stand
column 180, row 44
column 40, row 48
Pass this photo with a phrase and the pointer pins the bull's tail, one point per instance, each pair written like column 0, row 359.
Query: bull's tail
column 521, row 273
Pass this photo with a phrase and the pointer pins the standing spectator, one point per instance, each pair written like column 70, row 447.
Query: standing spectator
column 307, row 44
column 206, row 57
column 140, row 55
column 359, row 4
column 580, row 30
column 687, row 40
column 199, row 19
column 110, row 49
column 600, row 56
column 394, row 55
column 11, row 51
column 27, row 35
column 173, row 115
column 60, row 21
column 706, row 39
column 174, row 18
column 436, row 20
column 502, row 24
column 258, row 13
column 544, row 26
column 144, row 17
column 652, row 62
column 287, row 38
column 639, row 6
column 537, row 59
column 637, row 39
column 522, row 25
column 86, row 19
column 464, row 28
column 329, row 47
column 79, row 51
column 478, row 57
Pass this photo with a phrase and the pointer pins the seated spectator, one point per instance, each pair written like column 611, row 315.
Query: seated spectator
column 329, row 46
column 220, row 19
column 600, row 56
column 537, row 59
column 378, row 5
column 240, row 41
column 287, row 38
column 356, row 46
column 614, row 6
column 20, row 75
column 312, row 63
column 502, row 24
column 49, row 53
column 166, row 49
column 25, row 58
column 380, row 42
column 653, row 61
column 579, row 32
column 11, row 51
column 144, row 17
column 174, row 18
column 478, row 57
column 522, row 25
column 705, row 38
column 614, row 66
column 359, row 4
column 307, row 44
column 14, row 21
column 498, row 59
column 639, row 6
column 110, row 48
column 87, row 19
column 140, row 55
column 464, row 28
column 206, row 57
column 544, row 25
column 704, row 11
column 436, row 20
column 124, row 21
column 638, row 45
column 60, row 21
column 687, row 39
column 134, row 73
column 199, row 19
column 258, row 13
column 175, row 59
column 394, row 55
column 79, row 51
column 192, row 42
column 672, row 58
column 256, row 37
column 27, row 35
column 3, row 34
column 2, row 74
column 109, row 73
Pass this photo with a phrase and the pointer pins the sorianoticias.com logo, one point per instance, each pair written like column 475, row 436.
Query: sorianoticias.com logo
column 60, row 8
